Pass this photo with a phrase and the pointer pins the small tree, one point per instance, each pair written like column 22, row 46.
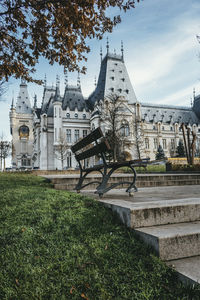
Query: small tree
column 180, row 149
column 160, row 153
column 61, row 150
column 5, row 148
column 112, row 114
column 138, row 133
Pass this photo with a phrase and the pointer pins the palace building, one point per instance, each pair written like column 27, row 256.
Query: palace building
column 42, row 136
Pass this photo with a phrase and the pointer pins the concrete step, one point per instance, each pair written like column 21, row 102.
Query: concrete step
column 168, row 182
column 173, row 241
column 69, row 185
column 128, row 177
column 188, row 269
column 154, row 213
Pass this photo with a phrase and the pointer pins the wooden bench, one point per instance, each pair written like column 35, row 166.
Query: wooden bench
column 96, row 145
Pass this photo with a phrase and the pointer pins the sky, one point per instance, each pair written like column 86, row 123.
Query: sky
column 161, row 52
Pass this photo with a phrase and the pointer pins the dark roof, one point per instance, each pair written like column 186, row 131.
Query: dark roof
column 113, row 79
column 48, row 94
column 38, row 112
column 73, row 98
column 168, row 114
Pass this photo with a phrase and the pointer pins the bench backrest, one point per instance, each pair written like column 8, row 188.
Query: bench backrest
column 99, row 147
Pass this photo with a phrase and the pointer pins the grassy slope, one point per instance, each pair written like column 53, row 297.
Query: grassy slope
column 59, row 245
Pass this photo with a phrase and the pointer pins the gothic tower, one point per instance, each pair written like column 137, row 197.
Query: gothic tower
column 21, row 127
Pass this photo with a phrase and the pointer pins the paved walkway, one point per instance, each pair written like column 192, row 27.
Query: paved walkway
column 150, row 194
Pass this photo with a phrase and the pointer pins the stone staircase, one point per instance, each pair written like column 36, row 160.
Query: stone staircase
column 165, row 213
column 68, row 182
column 171, row 227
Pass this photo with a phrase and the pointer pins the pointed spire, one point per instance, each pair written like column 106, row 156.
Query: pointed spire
column 78, row 80
column 66, row 76
column 101, row 53
column 95, row 81
column 122, row 50
column 35, row 101
column 107, row 45
column 23, row 81
column 45, row 80
column 12, row 104
column 57, row 81
column 193, row 93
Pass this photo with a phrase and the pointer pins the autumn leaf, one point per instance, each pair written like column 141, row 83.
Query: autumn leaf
column 83, row 296
column 57, row 30
column 17, row 282
column 72, row 289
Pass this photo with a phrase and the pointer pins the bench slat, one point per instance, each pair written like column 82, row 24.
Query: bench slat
column 102, row 147
column 93, row 136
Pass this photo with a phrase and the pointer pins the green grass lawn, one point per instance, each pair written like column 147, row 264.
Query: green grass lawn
column 60, row 245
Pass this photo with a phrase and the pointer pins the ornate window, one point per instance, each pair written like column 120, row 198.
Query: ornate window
column 172, row 144
column 76, row 116
column 69, row 135
column 68, row 115
column 164, row 142
column 76, row 135
column 125, row 131
column 84, row 116
column 146, row 143
column 69, row 159
column 155, row 141
column 84, row 133
column 25, row 162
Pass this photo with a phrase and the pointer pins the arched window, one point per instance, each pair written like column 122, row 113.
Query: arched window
column 76, row 116
column 84, row 116
column 25, row 162
column 68, row 115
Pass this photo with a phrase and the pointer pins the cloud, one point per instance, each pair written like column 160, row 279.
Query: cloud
column 181, row 97
column 157, row 58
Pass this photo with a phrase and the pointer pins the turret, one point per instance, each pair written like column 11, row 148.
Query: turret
column 23, row 105
column 57, row 115
column 113, row 79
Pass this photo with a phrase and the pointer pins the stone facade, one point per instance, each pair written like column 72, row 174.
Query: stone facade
column 21, row 127
column 62, row 120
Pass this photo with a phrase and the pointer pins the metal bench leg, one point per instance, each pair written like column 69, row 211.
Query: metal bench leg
column 132, row 186
column 80, row 181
